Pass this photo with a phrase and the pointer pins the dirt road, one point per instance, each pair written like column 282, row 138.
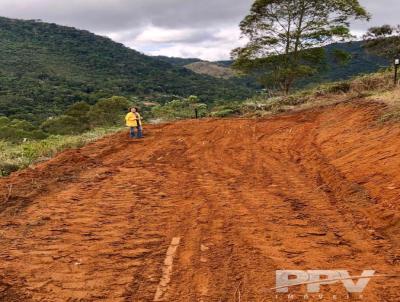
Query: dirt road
column 207, row 211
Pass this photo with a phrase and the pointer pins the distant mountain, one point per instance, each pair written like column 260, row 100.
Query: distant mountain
column 211, row 69
column 178, row 61
column 214, row 69
column 361, row 61
column 46, row 67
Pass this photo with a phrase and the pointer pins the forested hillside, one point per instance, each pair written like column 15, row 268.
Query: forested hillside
column 178, row 61
column 46, row 67
column 361, row 61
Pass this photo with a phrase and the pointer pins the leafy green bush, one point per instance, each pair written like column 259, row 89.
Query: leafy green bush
column 78, row 118
column 4, row 121
column 109, row 112
column 80, row 111
column 180, row 108
column 64, row 125
column 12, row 134
column 17, row 130
column 21, row 124
column 225, row 109
column 7, row 168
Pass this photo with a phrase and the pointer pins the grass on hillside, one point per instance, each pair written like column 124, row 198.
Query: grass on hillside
column 392, row 99
column 18, row 156
column 375, row 86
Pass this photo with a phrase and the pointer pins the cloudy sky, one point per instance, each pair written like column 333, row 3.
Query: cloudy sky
column 206, row 29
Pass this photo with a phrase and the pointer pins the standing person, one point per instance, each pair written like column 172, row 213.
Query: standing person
column 134, row 120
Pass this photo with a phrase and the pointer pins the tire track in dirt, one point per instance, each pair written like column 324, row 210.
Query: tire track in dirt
column 245, row 197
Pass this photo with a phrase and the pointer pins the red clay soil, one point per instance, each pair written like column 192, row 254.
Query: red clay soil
column 310, row 190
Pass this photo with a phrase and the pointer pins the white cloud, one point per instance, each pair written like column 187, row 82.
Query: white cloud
column 358, row 33
column 162, row 35
column 190, row 28
column 207, row 44
column 187, row 51
column 187, row 27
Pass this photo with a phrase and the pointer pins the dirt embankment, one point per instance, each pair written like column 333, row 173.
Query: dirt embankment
column 312, row 190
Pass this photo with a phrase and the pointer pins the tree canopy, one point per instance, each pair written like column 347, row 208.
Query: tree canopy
column 286, row 37
column 383, row 41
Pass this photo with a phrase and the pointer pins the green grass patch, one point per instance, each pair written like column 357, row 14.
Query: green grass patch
column 18, row 156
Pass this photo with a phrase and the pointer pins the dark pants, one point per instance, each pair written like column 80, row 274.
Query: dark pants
column 139, row 132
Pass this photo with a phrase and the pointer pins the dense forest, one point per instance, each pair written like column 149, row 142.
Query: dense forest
column 45, row 67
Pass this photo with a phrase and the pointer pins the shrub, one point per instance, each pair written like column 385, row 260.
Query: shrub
column 21, row 124
column 12, row 134
column 4, row 121
column 339, row 87
column 293, row 100
column 375, row 81
column 80, row 111
column 223, row 113
column 15, row 135
column 108, row 112
column 180, row 108
column 64, row 125
column 17, row 156
column 7, row 168
column 17, row 130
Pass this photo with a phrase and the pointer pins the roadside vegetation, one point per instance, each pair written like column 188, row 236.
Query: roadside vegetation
column 180, row 109
column 18, row 156
column 370, row 87
column 78, row 118
column 378, row 86
column 375, row 86
column 23, row 143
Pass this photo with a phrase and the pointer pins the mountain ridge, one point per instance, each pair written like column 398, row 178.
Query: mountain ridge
column 361, row 61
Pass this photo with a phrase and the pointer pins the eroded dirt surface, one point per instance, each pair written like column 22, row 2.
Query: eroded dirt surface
column 311, row 190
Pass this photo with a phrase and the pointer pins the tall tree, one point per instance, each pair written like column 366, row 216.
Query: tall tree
column 286, row 36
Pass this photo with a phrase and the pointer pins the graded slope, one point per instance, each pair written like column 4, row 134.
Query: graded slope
column 230, row 200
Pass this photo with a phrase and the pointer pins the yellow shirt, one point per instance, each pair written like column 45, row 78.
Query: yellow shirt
column 133, row 119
